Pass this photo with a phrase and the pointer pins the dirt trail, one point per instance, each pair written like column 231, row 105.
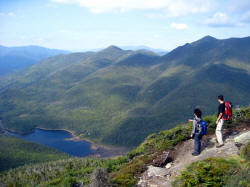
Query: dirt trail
column 162, row 177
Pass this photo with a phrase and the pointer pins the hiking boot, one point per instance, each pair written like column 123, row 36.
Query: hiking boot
column 195, row 154
column 217, row 146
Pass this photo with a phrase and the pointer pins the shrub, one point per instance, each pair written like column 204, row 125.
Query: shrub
column 241, row 179
column 245, row 151
column 209, row 172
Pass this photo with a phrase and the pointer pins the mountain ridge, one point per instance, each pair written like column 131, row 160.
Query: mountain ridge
column 114, row 94
column 13, row 59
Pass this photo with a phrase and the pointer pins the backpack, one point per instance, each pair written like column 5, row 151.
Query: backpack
column 228, row 111
column 202, row 127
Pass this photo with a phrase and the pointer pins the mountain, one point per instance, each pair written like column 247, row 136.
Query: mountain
column 160, row 52
column 118, row 97
column 16, row 58
column 143, row 47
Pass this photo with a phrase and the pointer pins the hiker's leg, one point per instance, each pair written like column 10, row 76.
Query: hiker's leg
column 219, row 131
column 197, row 144
column 200, row 137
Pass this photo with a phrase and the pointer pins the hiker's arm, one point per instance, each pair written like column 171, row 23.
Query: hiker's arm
column 193, row 130
column 219, row 117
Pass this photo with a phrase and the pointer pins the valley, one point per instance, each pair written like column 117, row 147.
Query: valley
column 117, row 97
column 124, row 93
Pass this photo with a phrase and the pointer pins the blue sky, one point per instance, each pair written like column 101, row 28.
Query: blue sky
column 89, row 24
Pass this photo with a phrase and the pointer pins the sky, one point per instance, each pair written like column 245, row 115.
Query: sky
column 79, row 25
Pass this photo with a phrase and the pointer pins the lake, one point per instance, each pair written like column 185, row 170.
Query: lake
column 58, row 139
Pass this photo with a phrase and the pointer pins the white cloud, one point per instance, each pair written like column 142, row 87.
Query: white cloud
column 246, row 17
column 179, row 26
column 156, row 36
column 51, row 5
column 65, row 31
column 11, row 14
column 220, row 19
column 172, row 8
column 157, row 16
column 40, row 39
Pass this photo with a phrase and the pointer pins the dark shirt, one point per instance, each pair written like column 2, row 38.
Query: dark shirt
column 221, row 109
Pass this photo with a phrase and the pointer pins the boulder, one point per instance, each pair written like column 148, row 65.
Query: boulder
column 242, row 138
column 168, row 165
column 162, row 159
column 157, row 171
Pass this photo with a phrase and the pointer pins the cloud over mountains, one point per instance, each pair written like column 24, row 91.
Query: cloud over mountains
column 174, row 8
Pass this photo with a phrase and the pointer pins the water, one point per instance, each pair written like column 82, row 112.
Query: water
column 57, row 139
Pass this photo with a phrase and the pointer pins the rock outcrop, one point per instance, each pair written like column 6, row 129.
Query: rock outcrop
column 163, row 176
column 242, row 139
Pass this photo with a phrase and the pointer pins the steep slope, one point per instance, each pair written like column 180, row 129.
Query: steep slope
column 15, row 152
column 126, row 170
column 46, row 86
column 119, row 97
column 174, row 146
column 189, row 76
column 13, row 59
column 201, row 71
column 163, row 177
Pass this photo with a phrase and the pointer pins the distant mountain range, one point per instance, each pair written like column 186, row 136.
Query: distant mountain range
column 13, row 59
column 143, row 47
column 160, row 52
column 118, row 97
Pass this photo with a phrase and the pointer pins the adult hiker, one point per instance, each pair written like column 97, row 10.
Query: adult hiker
column 196, row 131
column 220, row 121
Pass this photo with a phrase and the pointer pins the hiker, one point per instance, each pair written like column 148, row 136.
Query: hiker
column 196, row 131
column 220, row 121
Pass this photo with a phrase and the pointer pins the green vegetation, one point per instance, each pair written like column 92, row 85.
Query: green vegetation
column 215, row 172
column 228, row 172
column 119, row 97
column 245, row 152
column 59, row 173
column 15, row 152
column 143, row 155
column 124, row 171
column 156, row 143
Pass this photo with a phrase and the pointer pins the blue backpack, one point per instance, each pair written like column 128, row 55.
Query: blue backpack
column 204, row 127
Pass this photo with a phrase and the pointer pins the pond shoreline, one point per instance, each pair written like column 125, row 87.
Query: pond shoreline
column 99, row 151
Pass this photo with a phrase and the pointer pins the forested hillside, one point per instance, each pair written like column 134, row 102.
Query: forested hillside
column 16, row 152
column 118, row 97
